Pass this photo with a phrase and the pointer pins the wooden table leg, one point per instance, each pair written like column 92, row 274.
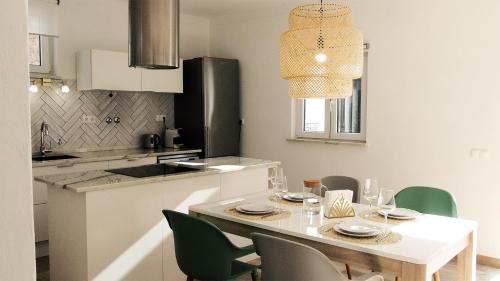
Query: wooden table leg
column 466, row 260
column 415, row 272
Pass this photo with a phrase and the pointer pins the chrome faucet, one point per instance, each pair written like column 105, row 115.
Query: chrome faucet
column 44, row 131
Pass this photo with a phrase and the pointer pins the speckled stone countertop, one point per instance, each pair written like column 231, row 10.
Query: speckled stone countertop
column 116, row 154
column 101, row 180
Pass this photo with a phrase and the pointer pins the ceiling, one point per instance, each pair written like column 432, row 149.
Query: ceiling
column 213, row 8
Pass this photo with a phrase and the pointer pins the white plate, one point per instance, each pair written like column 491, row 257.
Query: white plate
column 287, row 197
column 339, row 230
column 402, row 214
column 255, row 208
column 358, row 227
column 300, row 195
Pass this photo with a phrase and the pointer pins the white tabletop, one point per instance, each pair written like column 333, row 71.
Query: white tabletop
column 423, row 239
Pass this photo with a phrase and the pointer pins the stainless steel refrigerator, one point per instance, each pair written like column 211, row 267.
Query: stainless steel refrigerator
column 208, row 112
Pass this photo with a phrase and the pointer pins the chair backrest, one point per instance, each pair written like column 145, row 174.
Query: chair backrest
column 286, row 260
column 342, row 182
column 427, row 200
column 202, row 251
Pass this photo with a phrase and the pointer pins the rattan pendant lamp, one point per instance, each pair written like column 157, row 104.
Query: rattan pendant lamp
column 321, row 52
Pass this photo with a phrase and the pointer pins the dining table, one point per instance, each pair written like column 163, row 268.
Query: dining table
column 425, row 243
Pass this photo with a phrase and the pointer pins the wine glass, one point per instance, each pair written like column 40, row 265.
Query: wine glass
column 276, row 176
column 370, row 193
column 281, row 190
column 386, row 204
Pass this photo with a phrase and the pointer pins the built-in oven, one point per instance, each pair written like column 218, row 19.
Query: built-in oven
column 177, row 158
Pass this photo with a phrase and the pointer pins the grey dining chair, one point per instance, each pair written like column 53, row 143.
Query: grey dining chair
column 342, row 182
column 287, row 260
column 339, row 183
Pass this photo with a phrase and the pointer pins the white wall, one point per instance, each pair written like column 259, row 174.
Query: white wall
column 85, row 24
column 17, row 252
column 434, row 93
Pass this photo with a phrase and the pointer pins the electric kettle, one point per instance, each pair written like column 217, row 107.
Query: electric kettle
column 151, row 141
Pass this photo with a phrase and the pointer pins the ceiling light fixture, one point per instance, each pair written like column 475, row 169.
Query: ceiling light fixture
column 35, row 82
column 321, row 53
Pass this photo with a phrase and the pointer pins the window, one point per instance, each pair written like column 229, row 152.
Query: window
column 336, row 119
column 39, row 53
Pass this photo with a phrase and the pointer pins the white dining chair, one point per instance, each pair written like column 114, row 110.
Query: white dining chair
column 287, row 260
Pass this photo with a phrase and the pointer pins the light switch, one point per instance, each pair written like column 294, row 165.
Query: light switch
column 159, row 118
column 89, row 119
column 479, row 153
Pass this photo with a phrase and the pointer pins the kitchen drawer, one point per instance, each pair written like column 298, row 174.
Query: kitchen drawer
column 40, row 213
column 39, row 192
column 131, row 162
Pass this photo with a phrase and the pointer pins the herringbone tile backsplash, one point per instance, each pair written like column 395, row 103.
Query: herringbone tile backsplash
column 64, row 111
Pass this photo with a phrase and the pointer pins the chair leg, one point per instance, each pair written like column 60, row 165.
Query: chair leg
column 435, row 276
column 348, row 271
column 189, row 279
column 254, row 275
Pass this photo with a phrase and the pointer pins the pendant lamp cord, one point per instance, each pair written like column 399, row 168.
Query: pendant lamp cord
column 321, row 41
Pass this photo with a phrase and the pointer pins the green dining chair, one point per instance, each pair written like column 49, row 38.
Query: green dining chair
column 427, row 200
column 203, row 252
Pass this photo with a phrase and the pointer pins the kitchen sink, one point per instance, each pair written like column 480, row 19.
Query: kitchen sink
column 49, row 157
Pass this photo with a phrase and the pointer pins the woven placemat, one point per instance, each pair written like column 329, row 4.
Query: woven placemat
column 275, row 198
column 378, row 218
column 278, row 216
column 383, row 239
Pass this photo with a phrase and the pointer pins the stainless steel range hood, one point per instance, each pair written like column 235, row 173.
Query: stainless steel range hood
column 154, row 34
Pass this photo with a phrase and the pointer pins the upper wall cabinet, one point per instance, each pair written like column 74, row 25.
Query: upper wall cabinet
column 106, row 70
column 109, row 70
column 158, row 80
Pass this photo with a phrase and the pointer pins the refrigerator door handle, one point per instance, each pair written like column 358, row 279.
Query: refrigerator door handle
column 207, row 143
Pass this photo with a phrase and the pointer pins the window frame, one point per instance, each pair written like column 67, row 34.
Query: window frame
column 299, row 130
column 45, row 56
column 331, row 115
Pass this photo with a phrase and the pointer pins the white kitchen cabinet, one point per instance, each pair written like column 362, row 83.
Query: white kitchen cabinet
column 131, row 162
column 163, row 80
column 243, row 182
column 121, row 233
column 40, row 193
column 40, row 213
column 109, row 70
column 106, row 70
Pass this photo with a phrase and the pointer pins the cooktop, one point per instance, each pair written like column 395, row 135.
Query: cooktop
column 152, row 170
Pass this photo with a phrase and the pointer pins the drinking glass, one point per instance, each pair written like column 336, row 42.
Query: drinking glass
column 311, row 192
column 370, row 193
column 386, row 204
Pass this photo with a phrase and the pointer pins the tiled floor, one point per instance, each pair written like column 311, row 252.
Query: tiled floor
column 484, row 273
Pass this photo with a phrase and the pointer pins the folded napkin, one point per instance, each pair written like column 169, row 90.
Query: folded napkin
column 332, row 195
column 342, row 208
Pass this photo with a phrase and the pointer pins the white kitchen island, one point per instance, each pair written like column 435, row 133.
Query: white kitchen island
column 104, row 226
